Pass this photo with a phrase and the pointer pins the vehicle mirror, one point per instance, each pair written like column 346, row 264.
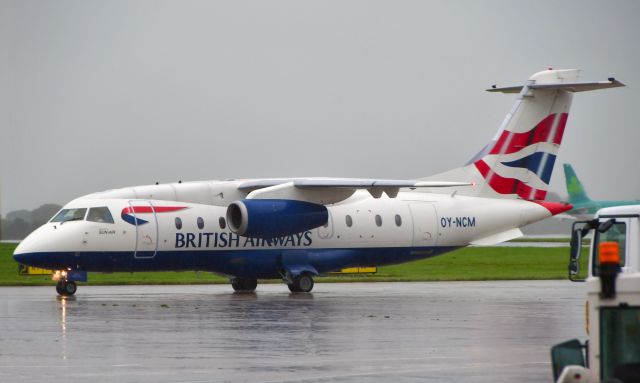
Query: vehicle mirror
column 579, row 230
column 604, row 226
column 574, row 255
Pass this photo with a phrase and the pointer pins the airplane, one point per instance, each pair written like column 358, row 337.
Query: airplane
column 295, row 229
column 583, row 206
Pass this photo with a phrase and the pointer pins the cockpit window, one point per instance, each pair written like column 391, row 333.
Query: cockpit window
column 100, row 214
column 69, row 215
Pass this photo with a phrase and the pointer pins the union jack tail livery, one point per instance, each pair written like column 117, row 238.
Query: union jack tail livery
column 519, row 161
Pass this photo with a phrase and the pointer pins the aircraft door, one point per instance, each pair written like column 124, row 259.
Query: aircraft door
column 146, row 228
column 425, row 224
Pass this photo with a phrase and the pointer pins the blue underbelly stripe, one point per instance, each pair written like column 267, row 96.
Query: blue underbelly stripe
column 265, row 263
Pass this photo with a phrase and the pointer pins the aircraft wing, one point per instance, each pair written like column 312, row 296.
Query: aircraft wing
column 332, row 190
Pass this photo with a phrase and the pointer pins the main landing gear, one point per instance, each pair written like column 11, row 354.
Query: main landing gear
column 302, row 283
column 66, row 288
column 244, row 285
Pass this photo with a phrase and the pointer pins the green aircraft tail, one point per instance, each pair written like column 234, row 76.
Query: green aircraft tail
column 574, row 186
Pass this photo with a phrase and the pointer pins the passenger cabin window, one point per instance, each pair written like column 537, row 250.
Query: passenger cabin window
column 178, row 223
column 200, row 223
column 69, row 215
column 100, row 214
column 378, row 220
column 349, row 221
column 398, row 220
column 222, row 223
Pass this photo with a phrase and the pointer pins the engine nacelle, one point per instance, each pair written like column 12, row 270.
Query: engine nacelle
column 268, row 218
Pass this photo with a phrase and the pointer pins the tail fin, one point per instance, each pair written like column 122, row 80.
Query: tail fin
column 575, row 189
column 518, row 162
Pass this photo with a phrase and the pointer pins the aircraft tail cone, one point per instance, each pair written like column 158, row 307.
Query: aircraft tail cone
column 555, row 207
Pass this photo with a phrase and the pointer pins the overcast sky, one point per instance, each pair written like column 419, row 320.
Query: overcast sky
column 103, row 94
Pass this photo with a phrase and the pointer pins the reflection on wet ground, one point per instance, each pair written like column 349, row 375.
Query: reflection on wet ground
column 402, row 332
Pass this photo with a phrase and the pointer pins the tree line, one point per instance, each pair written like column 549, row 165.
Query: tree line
column 20, row 223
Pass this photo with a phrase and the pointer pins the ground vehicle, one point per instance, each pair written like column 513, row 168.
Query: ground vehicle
column 613, row 299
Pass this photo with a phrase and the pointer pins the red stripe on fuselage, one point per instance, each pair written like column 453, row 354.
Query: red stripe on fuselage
column 151, row 209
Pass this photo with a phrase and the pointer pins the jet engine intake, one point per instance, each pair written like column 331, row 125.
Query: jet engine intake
column 269, row 218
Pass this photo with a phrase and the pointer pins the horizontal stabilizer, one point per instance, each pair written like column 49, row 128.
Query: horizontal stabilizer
column 570, row 87
column 498, row 238
column 565, row 217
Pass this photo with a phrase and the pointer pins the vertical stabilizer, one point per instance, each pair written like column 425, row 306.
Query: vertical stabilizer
column 576, row 191
column 519, row 160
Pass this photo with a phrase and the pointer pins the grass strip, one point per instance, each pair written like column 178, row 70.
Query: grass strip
column 467, row 264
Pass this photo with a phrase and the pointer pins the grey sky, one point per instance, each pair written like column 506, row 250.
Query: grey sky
column 96, row 95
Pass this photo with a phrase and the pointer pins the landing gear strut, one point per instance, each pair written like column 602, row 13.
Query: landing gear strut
column 302, row 283
column 66, row 288
column 244, row 284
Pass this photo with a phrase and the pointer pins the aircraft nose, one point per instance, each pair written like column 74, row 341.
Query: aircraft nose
column 21, row 258
column 30, row 251
column 44, row 248
column 24, row 251
column 42, row 260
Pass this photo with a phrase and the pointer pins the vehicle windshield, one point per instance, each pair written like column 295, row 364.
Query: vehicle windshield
column 616, row 233
column 100, row 214
column 620, row 341
column 69, row 215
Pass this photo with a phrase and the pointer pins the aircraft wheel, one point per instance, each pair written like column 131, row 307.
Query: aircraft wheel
column 244, row 284
column 66, row 288
column 303, row 283
column 60, row 288
column 251, row 284
column 70, row 288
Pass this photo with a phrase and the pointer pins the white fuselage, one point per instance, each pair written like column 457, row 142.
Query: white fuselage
column 413, row 226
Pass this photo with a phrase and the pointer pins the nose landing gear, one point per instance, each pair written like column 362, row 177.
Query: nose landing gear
column 66, row 288
column 66, row 285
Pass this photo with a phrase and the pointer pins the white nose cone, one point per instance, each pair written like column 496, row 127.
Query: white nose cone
column 28, row 245
column 45, row 239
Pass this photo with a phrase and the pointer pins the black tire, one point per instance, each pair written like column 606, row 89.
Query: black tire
column 250, row 284
column 70, row 288
column 236, row 283
column 60, row 288
column 303, row 283
column 244, row 284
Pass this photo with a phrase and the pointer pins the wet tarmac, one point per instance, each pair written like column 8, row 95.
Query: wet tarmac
column 371, row 332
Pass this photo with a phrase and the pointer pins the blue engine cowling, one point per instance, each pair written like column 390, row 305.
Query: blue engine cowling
column 268, row 218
